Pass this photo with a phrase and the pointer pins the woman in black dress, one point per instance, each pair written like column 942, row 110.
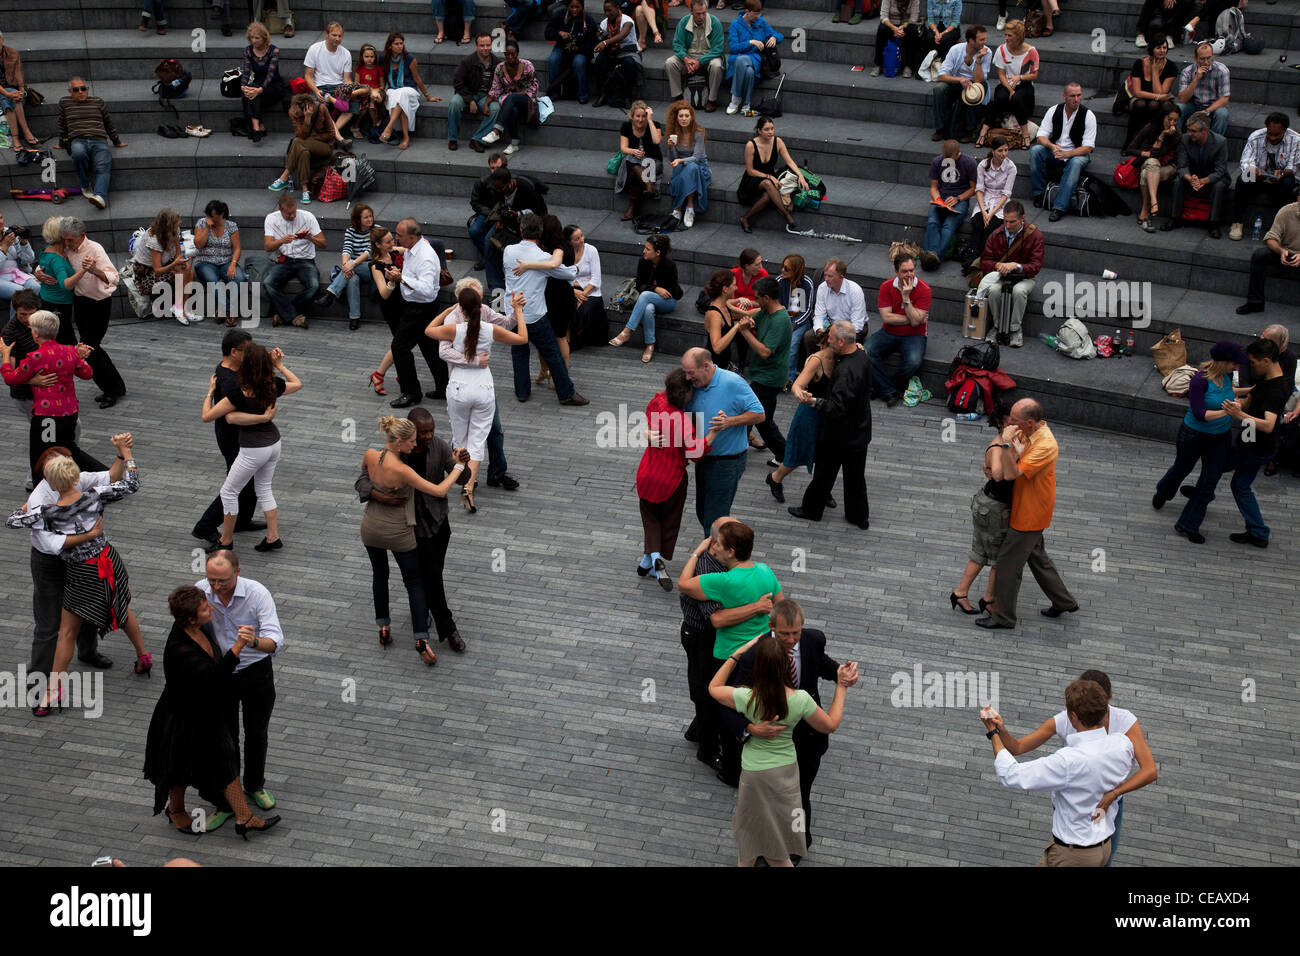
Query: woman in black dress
column 386, row 273
column 719, row 322
column 759, row 186
column 561, row 302
column 189, row 743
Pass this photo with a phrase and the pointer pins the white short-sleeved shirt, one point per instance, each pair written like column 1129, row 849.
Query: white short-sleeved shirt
column 1121, row 721
column 277, row 227
column 329, row 67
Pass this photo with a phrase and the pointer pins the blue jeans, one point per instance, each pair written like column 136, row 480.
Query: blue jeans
column 496, row 447
column 743, row 77
column 911, row 352
column 94, row 161
column 796, row 336
column 213, row 273
column 1190, row 447
column 408, row 562
column 578, row 62
column 514, row 114
column 440, row 10
column 940, row 227
column 479, row 230
column 542, row 336
column 521, row 13
column 1218, row 119
column 360, row 277
column 1114, row 837
column 1042, row 163
column 7, row 290
column 1245, row 466
column 304, row 270
column 154, row 8
column 716, row 480
column 457, row 107
column 647, row 304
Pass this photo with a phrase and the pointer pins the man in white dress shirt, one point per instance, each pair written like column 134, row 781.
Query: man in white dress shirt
column 421, row 268
column 295, row 234
column 840, row 299
column 1066, row 139
column 1091, row 763
column 533, row 285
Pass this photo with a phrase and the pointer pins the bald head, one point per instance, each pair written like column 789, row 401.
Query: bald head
column 224, row 559
column 1027, row 415
column 698, row 366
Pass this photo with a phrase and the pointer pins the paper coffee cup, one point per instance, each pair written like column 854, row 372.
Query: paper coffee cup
column 1109, row 274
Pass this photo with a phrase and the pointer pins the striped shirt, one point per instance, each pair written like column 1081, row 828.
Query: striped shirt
column 695, row 614
column 87, row 119
column 1213, row 85
column 355, row 244
column 76, row 518
column 1259, row 150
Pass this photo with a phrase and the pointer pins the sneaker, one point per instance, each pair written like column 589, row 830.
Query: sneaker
column 1234, row 233
column 305, row 198
column 96, row 201
column 747, row 110
column 677, row 214
column 855, row 19
column 511, row 149
column 835, row 17
column 263, row 798
column 733, row 107
column 875, row 71
column 1140, row 43
column 688, row 219
column 491, row 137
column 179, row 315
column 279, row 184
column 907, row 72
column 1002, row 23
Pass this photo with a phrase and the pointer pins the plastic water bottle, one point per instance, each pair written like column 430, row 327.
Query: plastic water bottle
column 1047, row 339
column 1258, row 230
column 969, row 417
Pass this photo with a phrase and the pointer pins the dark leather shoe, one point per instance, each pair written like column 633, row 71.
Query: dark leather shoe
column 456, row 642
column 1214, row 233
column 1170, row 224
column 1058, row 611
column 692, row 732
column 436, row 395
column 800, row 513
column 476, row 146
column 1245, row 537
column 251, row 526
column 1055, row 216
column 830, row 502
column 354, row 324
column 209, row 536
column 108, row 401
column 864, row 524
column 892, row 400
column 96, row 660
column 453, row 145
column 991, row 623
column 777, row 491
column 506, row 481
column 406, row 401
column 1195, row 537
column 1250, row 307
column 1157, row 502
column 732, row 782
column 575, row 399
column 1187, row 490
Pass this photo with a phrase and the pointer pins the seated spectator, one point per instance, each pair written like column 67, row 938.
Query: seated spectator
column 840, row 299
column 795, row 289
column 402, row 80
column 260, row 80
column 13, row 91
column 510, row 197
column 17, row 258
column 747, row 38
column 1156, row 145
column 748, row 270
column 1016, row 63
column 328, row 62
column 1203, row 168
column 647, row 14
column 698, row 45
column 759, row 186
column 1152, row 81
column 900, row 23
column 363, row 103
column 942, row 27
column 953, row 181
column 639, row 140
column 482, row 199
column 472, row 82
column 904, row 303
column 155, row 9
column 85, row 130
column 369, row 72
column 970, row 63
column 1050, row 9
column 514, row 87
column 851, row 12
column 160, row 262
column 616, row 54
column 995, row 178
column 689, row 164
column 1014, row 252
column 440, row 14
column 1278, row 256
column 282, row 11
column 355, row 270
column 1267, row 178
column 1164, row 17
column 591, row 320
column 658, row 291
column 314, row 136
column 216, row 261
column 522, row 13
column 1066, row 139
column 574, row 34
column 295, row 234
column 1205, row 87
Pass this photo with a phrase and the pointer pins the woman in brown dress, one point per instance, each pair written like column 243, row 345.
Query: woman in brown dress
column 391, row 527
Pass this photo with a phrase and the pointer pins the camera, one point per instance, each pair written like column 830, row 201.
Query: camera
column 22, row 232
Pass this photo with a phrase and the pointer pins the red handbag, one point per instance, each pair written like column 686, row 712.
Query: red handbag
column 333, row 187
column 1195, row 210
column 1126, row 173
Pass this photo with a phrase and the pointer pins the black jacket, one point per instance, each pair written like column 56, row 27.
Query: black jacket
column 583, row 32
column 814, row 666
column 466, row 79
column 846, row 409
column 664, row 275
column 529, row 194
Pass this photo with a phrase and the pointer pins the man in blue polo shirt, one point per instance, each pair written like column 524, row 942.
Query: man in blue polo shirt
column 726, row 403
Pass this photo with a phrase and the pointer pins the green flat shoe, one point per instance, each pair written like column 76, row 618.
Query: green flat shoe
column 215, row 819
column 263, row 798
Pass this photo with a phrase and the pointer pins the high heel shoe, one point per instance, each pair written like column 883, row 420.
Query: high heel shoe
column 467, row 498
column 144, row 665
column 985, row 604
column 377, row 383
column 543, row 376
column 956, row 602
column 385, row 636
column 243, row 828
column 187, row 826
column 426, row 652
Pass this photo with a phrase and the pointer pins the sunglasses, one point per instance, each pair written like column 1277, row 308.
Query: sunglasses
column 80, row 89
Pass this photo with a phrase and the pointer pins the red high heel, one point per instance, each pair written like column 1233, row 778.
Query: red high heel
column 426, row 652
column 144, row 665
column 385, row 636
column 377, row 383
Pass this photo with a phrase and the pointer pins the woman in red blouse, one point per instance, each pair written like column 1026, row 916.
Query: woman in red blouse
column 661, row 477
column 55, row 403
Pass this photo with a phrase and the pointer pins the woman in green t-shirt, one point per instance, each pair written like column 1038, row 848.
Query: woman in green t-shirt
column 769, row 812
column 54, row 271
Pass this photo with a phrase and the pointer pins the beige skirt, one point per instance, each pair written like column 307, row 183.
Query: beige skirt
column 766, row 823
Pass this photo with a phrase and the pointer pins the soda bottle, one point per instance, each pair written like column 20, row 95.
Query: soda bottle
column 1128, row 342
column 1258, row 230
column 1118, row 343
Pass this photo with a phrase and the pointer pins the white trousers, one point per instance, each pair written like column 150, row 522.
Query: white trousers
column 258, row 464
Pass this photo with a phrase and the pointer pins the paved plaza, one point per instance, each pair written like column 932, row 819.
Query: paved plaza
column 557, row 737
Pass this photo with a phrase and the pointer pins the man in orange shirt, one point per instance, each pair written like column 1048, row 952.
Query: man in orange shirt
column 1031, row 460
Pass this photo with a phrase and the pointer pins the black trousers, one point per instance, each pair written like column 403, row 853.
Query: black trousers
column 433, row 558
column 1270, row 197
column 410, row 333
column 91, row 316
column 698, row 645
column 50, row 430
column 211, row 518
column 909, row 47
column 67, row 325
column 48, row 577
column 1215, row 194
column 255, row 695
column 772, row 436
column 830, row 458
column 1264, row 262
column 728, row 744
column 809, row 763
column 1020, row 104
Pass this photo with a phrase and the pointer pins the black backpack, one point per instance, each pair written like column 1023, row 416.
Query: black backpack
column 771, row 105
column 985, row 355
column 653, row 225
column 173, row 82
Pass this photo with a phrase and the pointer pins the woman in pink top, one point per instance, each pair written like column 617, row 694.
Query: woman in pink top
column 57, row 403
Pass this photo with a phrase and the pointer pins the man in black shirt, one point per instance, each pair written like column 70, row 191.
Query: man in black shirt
column 1260, row 414
column 208, row 527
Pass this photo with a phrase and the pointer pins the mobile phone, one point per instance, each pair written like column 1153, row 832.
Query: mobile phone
column 103, row 861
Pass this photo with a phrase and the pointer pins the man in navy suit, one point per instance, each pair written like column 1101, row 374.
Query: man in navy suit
column 807, row 648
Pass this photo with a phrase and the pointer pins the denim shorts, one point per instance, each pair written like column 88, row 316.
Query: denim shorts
column 6, row 104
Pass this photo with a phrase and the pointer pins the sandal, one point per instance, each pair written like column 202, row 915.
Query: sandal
column 621, row 338
column 144, row 665
column 231, row 321
column 755, row 442
column 426, row 652
column 377, row 383
column 385, row 636
column 467, row 498
column 648, row 353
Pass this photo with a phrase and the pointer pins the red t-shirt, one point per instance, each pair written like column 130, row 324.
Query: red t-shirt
column 662, row 470
column 371, row 76
column 746, row 290
column 890, row 298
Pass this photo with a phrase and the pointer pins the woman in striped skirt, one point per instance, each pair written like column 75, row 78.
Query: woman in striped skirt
column 97, row 588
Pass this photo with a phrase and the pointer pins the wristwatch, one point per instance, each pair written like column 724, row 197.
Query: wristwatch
column 990, row 734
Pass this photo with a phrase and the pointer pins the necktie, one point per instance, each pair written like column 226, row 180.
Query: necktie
column 794, row 671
